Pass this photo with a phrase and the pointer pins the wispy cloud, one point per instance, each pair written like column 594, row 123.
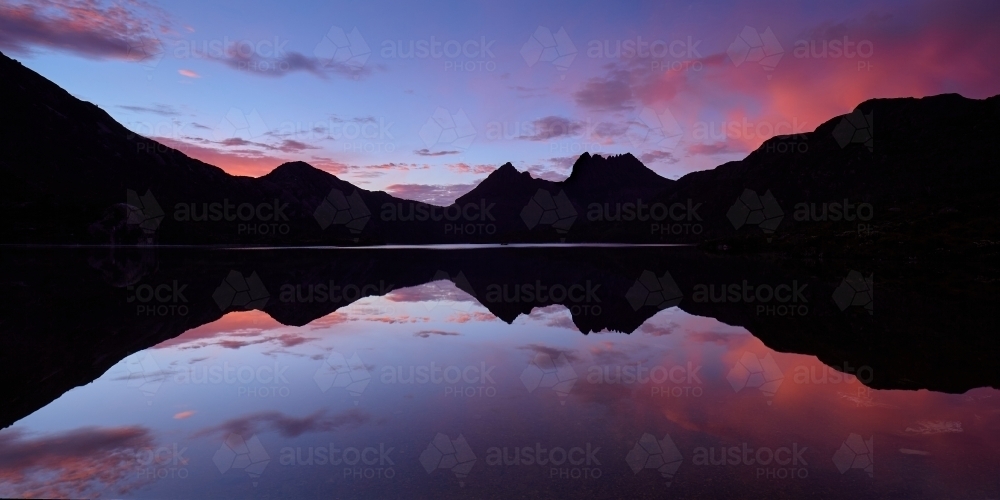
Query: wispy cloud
column 552, row 127
column 465, row 168
column 284, row 63
column 155, row 109
column 654, row 156
column 288, row 426
column 427, row 152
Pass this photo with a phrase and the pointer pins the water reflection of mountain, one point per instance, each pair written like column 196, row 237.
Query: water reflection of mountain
column 68, row 316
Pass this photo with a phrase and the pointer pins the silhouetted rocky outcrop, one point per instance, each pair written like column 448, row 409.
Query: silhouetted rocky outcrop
column 925, row 167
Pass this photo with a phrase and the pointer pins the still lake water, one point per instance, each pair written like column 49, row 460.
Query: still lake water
column 423, row 392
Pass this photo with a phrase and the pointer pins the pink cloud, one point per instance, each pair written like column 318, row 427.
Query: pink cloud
column 78, row 463
column 925, row 50
column 238, row 156
column 441, row 195
column 716, row 148
column 555, row 315
column 464, row 168
column 237, row 162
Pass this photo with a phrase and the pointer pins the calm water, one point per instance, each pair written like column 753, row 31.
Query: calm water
column 422, row 391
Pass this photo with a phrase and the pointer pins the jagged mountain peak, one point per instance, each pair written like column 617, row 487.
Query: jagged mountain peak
column 588, row 166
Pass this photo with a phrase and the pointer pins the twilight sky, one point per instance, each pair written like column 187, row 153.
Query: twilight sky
column 425, row 101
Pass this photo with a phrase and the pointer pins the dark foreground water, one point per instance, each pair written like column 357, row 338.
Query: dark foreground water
column 465, row 374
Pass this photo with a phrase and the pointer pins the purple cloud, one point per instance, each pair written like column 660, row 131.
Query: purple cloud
column 84, row 28
column 287, row 426
column 551, row 127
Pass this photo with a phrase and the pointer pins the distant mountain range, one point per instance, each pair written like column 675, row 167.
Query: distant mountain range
column 72, row 174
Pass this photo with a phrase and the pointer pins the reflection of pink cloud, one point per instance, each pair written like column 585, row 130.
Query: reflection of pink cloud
column 434, row 291
column 555, row 315
column 656, row 330
column 287, row 426
column 341, row 317
column 240, row 329
column 234, row 322
column 467, row 317
column 188, row 73
column 606, row 352
column 565, row 321
column 334, row 318
column 552, row 352
column 236, row 330
column 78, row 463
column 285, row 339
column 814, row 407
column 427, row 333
column 712, row 337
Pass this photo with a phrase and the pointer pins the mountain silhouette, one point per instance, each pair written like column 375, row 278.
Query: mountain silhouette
column 530, row 209
column 72, row 174
column 68, row 168
column 926, row 171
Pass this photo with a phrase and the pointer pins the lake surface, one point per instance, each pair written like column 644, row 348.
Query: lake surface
column 475, row 379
